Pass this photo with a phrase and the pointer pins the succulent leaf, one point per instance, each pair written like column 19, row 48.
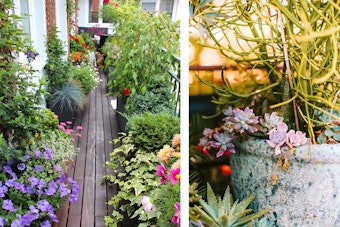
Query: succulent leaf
column 211, row 198
column 226, row 212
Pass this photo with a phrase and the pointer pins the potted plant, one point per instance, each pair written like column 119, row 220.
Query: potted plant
column 87, row 74
column 284, row 70
column 137, row 52
column 67, row 100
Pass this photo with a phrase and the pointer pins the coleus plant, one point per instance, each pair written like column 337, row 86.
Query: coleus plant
column 240, row 123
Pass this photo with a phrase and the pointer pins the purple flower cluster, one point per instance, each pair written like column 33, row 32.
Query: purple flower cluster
column 28, row 178
column 31, row 55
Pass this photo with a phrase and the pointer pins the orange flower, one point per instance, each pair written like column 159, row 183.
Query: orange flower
column 88, row 47
column 83, row 44
column 76, row 56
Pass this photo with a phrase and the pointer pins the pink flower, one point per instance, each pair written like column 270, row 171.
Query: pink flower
column 78, row 135
column 69, row 122
column 161, row 172
column 176, row 218
column 148, row 206
column 62, row 127
column 73, row 140
column 175, row 176
column 277, row 137
column 295, row 139
column 79, row 127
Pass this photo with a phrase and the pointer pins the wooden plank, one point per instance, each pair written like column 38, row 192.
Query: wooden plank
column 79, row 165
column 100, row 193
column 74, row 221
column 87, row 218
column 99, row 222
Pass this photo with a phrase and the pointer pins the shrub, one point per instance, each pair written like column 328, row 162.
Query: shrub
column 155, row 101
column 86, row 74
column 57, row 68
column 151, row 131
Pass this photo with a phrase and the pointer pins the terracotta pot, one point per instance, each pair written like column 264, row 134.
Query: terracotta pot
column 307, row 194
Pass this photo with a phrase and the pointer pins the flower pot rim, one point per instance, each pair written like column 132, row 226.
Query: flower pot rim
column 309, row 153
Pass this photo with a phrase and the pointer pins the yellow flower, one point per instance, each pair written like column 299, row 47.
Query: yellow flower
column 36, row 135
column 165, row 153
column 176, row 154
column 176, row 140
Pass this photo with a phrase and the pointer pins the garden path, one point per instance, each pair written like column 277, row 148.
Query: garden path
column 99, row 123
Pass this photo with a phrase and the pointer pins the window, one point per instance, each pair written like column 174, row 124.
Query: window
column 24, row 11
column 94, row 11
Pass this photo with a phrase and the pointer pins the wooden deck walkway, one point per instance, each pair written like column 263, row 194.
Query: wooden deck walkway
column 99, row 123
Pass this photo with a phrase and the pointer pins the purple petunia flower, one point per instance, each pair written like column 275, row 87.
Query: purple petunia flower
column 57, row 168
column 18, row 186
column 26, row 220
column 38, row 153
column 21, row 166
column 64, row 191
column 27, row 157
column 48, row 153
column 16, row 223
column 2, row 222
column 3, row 190
column 52, row 188
column 44, row 206
column 10, row 183
column 74, row 195
column 37, row 168
column 9, row 170
column 45, row 223
column 53, row 216
column 8, row 205
column 33, row 180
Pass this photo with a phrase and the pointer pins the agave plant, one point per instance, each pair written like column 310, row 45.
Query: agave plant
column 226, row 212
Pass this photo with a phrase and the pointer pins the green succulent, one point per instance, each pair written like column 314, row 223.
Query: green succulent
column 330, row 126
column 263, row 222
column 217, row 212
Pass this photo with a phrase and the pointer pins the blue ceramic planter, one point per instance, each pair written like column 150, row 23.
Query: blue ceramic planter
column 307, row 194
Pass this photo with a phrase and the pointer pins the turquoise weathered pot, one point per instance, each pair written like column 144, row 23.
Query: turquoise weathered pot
column 307, row 194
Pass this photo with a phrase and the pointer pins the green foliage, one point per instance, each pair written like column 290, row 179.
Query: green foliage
column 57, row 68
column 86, row 74
column 59, row 142
column 69, row 97
column 156, row 100
column 224, row 212
column 134, row 173
column 19, row 95
column 141, row 59
column 151, row 131
column 47, row 120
